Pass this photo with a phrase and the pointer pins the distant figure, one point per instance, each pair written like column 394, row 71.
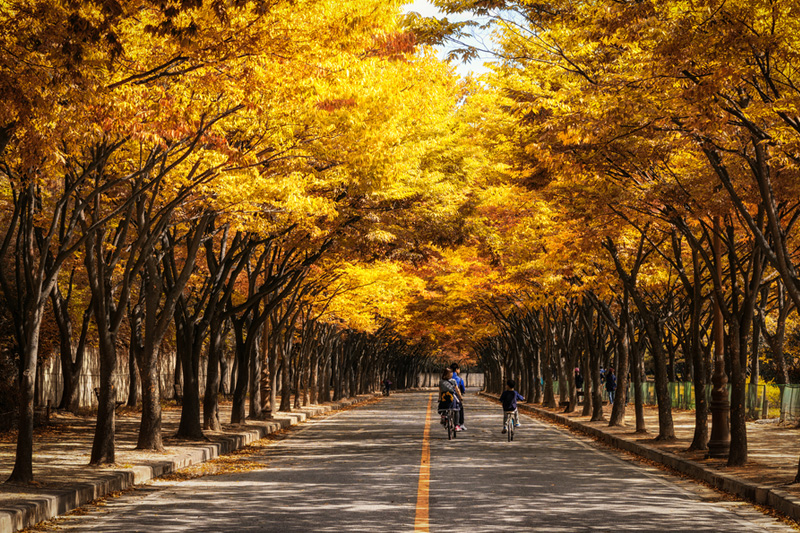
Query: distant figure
column 578, row 379
column 387, row 385
column 611, row 384
column 509, row 399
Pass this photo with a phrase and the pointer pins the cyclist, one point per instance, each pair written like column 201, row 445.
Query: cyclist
column 449, row 395
column 461, row 387
column 509, row 399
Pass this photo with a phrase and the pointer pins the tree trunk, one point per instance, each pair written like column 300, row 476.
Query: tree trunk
column 325, row 382
column 737, row 455
column 255, row 373
column 700, row 439
column 105, row 430
column 623, row 362
column 336, row 373
column 134, row 386
column 213, row 378
column 593, row 377
column 189, row 350
column 23, row 463
column 739, row 333
column 313, row 386
column 583, row 364
column 298, row 373
column 224, row 378
column 238, row 414
column 537, row 377
column 286, row 386
column 274, row 363
column 135, row 349
column 776, row 340
column 597, row 386
column 150, row 425
column 265, row 383
column 666, row 429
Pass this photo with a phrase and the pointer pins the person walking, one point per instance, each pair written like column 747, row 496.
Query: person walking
column 578, row 384
column 611, row 384
column 578, row 379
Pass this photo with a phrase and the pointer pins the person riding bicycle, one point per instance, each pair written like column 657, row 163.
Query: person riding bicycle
column 509, row 399
column 461, row 387
column 449, row 395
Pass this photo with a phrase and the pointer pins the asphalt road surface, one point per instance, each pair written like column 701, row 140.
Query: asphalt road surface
column 363, row 470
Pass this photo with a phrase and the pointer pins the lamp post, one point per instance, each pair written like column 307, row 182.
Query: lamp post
column 720, row 442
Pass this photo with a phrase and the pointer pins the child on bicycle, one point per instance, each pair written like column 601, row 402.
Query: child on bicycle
column 449, row 395
column 509, row 399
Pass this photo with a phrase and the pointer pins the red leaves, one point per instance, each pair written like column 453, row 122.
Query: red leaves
column 332, row 104
column 393, row 45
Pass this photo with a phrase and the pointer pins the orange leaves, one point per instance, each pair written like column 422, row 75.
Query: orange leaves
column 334, row 104
column 393, row 46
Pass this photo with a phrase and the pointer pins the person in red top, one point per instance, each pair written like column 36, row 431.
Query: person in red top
column 509, row 399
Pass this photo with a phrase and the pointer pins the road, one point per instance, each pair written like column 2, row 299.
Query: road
column 360, row 470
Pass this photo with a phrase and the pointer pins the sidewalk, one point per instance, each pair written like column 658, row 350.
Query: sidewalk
column 766, row 479
column 63, row 480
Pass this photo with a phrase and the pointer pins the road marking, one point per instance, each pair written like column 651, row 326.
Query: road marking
column 421, row 523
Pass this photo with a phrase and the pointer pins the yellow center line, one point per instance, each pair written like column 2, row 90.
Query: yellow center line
column 421, row 519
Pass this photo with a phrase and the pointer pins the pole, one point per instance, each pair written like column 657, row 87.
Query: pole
column 720, row 442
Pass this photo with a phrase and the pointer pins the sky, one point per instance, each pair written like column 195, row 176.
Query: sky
column 424, row 8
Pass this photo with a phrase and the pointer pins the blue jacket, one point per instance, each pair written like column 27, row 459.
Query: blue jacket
column 460, row 383
column 509, row 400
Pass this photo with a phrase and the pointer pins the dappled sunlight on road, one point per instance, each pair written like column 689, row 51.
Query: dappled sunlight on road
column 547, row 480
column 353, row 472
column 358, row 471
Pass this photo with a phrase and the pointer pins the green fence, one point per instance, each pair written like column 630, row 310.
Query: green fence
column 790, row 403
column 757, row 401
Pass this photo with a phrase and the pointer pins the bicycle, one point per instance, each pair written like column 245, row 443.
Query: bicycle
column 449, row 422
column 510, row 425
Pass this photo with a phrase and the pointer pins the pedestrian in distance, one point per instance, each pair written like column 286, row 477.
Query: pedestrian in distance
column 449, row 395
column 463, row 389
column 509, row 399
column 611, row 384
column 578, row 379
column 578, row 384
column 387, row 385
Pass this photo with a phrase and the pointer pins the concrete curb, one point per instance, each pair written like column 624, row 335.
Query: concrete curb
column 765, row 495
column 47, row 506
